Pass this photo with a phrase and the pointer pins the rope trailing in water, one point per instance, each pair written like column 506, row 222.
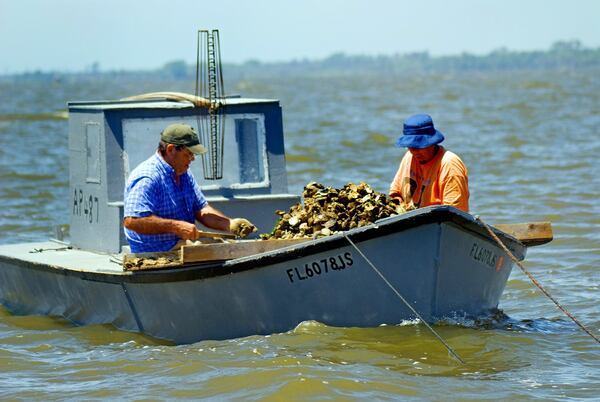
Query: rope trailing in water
column 535, row 282
column 456, row 356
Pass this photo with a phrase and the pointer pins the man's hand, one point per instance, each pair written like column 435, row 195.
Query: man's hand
column 408, row 206
column 241, row 227
column 186, row 230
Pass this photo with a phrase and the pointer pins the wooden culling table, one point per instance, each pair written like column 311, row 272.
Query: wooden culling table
column 188, row 254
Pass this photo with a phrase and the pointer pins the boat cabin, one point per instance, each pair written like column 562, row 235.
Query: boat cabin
column 107, row 140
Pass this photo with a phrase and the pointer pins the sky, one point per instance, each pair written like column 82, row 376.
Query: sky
column 72, row 35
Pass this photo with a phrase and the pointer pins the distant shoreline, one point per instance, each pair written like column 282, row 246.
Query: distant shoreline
column 561, row 55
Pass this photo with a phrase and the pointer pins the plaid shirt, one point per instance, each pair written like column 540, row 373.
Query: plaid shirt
column 151, row 190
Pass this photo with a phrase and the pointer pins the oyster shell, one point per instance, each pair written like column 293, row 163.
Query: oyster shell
column 328, row 210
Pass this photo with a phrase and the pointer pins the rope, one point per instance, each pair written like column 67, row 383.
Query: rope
column 535, row 282
column 198, row 101
column 405, row 302
column 41, row 250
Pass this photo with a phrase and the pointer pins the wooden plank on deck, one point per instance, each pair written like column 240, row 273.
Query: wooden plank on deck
column 228, row 251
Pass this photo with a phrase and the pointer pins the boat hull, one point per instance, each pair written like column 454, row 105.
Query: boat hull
column 438, row 259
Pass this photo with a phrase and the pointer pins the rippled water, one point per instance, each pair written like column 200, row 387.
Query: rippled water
column 531, row 142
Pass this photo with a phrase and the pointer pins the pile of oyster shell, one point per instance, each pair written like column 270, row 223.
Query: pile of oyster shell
column 141, row 263
column 328, row 210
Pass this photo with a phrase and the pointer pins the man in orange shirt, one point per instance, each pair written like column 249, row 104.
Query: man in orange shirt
column 428, row 173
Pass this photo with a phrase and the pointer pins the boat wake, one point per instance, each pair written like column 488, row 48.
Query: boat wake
column 498, row 320
column 494, row 320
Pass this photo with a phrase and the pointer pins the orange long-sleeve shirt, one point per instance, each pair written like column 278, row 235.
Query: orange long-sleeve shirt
column 441, row 181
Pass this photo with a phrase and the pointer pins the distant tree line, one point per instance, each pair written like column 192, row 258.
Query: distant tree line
column 561, row 55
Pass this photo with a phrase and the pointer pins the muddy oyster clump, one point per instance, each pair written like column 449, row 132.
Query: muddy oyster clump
column 328, row 210
column 141, row 263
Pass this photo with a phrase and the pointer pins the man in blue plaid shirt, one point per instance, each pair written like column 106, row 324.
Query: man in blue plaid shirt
column 163, row 200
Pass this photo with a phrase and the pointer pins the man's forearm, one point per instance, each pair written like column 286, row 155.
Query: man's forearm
column 150, row 224
column 156, row 225
column 213, row 218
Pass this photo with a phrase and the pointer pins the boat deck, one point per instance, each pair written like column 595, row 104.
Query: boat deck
column 58, row 257
column 61, row 256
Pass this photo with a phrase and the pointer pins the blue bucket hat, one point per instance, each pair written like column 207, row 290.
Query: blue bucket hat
column 419, row 132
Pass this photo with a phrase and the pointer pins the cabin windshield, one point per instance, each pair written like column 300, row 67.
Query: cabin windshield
column 245, row 163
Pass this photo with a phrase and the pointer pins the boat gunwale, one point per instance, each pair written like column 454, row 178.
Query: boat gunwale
column 200, row 271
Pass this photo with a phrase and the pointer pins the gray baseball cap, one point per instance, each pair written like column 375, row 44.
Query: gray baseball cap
column 183, row 134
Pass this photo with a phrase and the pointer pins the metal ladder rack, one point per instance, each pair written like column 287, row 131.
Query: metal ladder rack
column 209, row 85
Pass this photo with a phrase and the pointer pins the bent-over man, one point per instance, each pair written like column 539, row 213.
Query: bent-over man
column 163, row 200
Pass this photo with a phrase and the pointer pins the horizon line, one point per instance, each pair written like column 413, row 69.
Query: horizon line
column 95, row 67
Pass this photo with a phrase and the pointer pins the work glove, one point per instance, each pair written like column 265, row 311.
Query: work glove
column 241, row 227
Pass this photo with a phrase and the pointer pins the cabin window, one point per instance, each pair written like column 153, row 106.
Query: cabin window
column 245, row 163
column 92, row 149
column 249, row 151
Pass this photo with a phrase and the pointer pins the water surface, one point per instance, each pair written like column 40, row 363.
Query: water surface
column 531, row 143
